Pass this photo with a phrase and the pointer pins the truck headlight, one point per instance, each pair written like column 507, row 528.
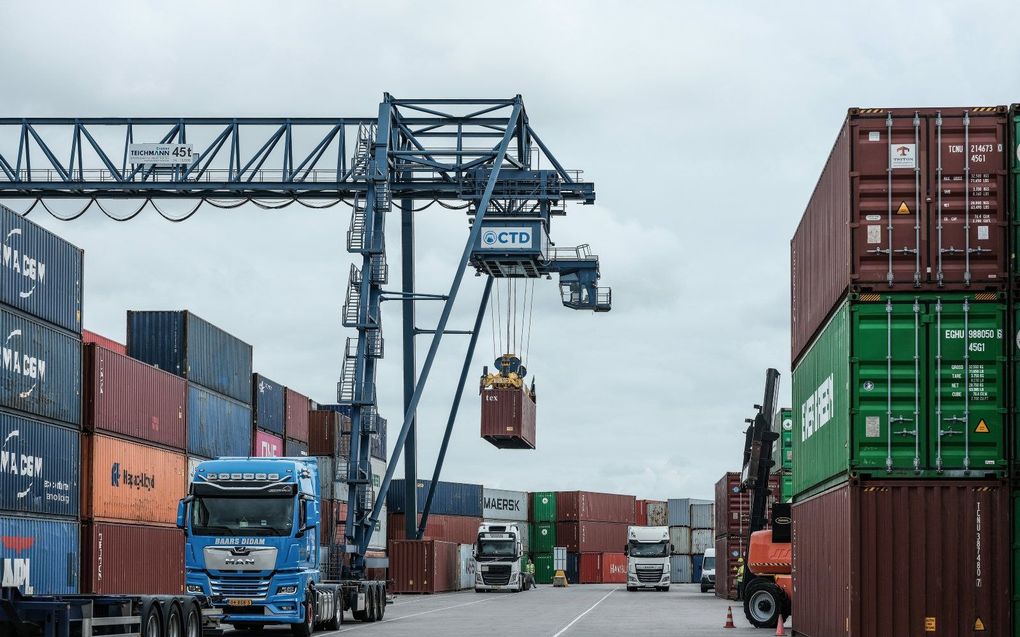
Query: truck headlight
column 194, row 589
column 286, row 590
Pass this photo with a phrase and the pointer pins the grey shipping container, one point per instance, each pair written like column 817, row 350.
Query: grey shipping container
column 268, row 404
column 186, row 345
column 702, row 540
column 40, row 464
column 681, row 569
column 39, row 556
column 327, row 477
column 680, row 538
column 702, row 515
column 680, row 510
column 217, row 425
column 451, row 498
column 40, row 273
column 295, row 448
column 40, row 369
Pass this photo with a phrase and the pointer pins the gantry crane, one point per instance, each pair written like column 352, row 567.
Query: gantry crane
column 481, row 154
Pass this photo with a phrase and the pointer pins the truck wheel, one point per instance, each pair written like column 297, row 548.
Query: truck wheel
column 763, row 601
column 371, row 605
column 704, row 589
column 307, row 627
column 152, row 620
column 382, row 602
column 172, row 619
column 333, row 623
column 631, row 589
column 192, row 620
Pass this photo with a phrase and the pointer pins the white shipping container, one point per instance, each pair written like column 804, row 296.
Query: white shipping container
column 521, row 526
column 378, row 540
column 499, row 504
column 701, row 539
column 680, row 538
column 465, row 566
column 702, row 516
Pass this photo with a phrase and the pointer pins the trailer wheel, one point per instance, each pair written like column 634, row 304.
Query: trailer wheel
column 172, row 620
column 338, row 614
column 763, row 602
column 371, row 604
column 192, row 620
column 152, row 619
column 382, row 602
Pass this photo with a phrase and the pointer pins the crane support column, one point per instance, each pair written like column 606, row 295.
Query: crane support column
column 407, row 289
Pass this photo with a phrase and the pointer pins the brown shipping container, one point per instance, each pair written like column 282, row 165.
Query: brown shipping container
column 508, row 418
column 874, row 181
column 334, row 522
column 127, row 397
column 324, row 431
column 892, row 558
column 592, row 537
column 733, row 508
column 573, row 506
column 297, row 407
column 131, row 559
column 458, row 529
column 728, row 549
column 423, row 566
column 88, row 337
column 125, row 481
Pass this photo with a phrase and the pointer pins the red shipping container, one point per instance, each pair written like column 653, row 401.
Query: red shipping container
column 297, row 407
column 423, row 566
column 733, row 507
column 903, row 204
column 267, row 445
column 324, row 432
column 334, row 522
column 602, row 568
column 592, row 537
column 728, row 549
column 508, row 418
column 126, row 397
column 131, row 559
column 88, row 337
column 448, row 528
column 887, row 558
column 575, row 506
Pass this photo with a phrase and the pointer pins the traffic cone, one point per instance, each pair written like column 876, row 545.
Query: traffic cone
column 729, row 618
column 780, row 628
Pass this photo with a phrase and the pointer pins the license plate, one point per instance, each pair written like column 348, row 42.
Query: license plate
column 238, row 602
column 483, row 568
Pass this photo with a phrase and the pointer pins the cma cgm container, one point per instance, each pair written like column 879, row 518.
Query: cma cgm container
column 267, row 445
column 591, row 537
column 543, row 506
column 508, row 417
column 451, row 498
column 135, row 559
column 423, row 566
column 39, row 467
column 500, row 504
column 448, row 528
column 40, row 273
column 733, row 506
column 40, row 369
column 267, row 404
column 572, row 506
column 296, row 408
column 130, row 482
column 898, row 557
column 126, row 397
column 901, row 385
column 909, row 200
column 217, row 426
column 184, row 344
column 39, row 556
column 88, row 337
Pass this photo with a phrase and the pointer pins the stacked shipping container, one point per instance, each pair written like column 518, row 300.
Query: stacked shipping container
column 542, row 534
column 690, row 533
column 589, row 522
column 732, row 517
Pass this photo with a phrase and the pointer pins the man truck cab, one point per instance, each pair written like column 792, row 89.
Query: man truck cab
column 648, row 552
column 499, row 554
column 708, row 571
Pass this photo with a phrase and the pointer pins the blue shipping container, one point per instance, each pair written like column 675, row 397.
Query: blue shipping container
column 40, row 466
column 295, row 448
column 267, row 404
column 39, row 556
column 696, row 562
column 184, row 344
column 452, row 498
column 217, row 425
column 573, row 571
column 40, row 273
column 40, row 369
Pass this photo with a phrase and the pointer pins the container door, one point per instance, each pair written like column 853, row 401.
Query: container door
column 968, row 210
column 1014, row 161
column 967, row 414
column 888, row 380
column 889, row 188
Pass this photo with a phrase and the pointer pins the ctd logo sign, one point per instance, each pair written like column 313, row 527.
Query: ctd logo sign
column 516, row 238
column 17, row 362
column 31, row 270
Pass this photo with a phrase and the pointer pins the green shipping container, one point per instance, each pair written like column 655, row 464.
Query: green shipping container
column 782, row 452
column 542, row 537
column 543, row 568
column 1016, row 562
column 543, row 506
column 903, row 385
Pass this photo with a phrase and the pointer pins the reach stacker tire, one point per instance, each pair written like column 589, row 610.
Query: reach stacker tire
column 763, row 602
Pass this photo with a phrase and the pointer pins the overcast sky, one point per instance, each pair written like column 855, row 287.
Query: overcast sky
column 703, row 125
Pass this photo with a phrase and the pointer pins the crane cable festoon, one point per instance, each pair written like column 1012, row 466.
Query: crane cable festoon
column 511, row 317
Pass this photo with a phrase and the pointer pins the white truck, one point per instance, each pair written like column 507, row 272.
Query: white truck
column 499, row 559
column 648, row 552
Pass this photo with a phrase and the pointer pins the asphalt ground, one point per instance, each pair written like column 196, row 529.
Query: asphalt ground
column 594, row 609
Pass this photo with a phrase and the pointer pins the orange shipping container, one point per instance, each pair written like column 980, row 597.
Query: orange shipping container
column 128, row 482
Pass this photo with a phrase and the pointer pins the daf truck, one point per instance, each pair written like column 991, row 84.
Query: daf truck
column 648, row 551
column 499, row 557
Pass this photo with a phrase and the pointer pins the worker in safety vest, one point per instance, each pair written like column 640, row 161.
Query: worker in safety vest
column 740, row 578
column 529, row 574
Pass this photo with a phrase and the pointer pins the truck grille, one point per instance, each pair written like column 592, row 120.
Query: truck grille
column 252, row 587
column 649, row 574
column 496, row 575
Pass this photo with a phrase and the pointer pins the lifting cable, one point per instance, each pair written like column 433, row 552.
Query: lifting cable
column 513, row 303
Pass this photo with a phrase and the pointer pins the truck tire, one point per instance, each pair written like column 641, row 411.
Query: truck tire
column 172, row 620
column 382, row 602
column 152, row 619
column 333, row 623
column 631, row 589
column 307, row 627
column 763, row 602
column 192, row 620
column 371, row 604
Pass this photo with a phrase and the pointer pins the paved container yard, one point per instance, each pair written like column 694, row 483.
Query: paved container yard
column 596, row 609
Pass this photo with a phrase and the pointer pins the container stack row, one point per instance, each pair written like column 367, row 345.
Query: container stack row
column 732, row 519
column 691, row 523
column 902, row 414
column 593, row 528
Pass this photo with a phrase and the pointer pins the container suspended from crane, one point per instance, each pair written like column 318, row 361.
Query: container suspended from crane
column 508, row 405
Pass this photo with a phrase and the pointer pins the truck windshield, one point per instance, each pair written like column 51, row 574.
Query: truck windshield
column 496, row 549
column 709, row 564
column 242, row 516
column 649, row 549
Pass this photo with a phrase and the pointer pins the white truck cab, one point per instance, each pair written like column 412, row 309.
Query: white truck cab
column 708, row 571
column 648, row 552
column 499, row 555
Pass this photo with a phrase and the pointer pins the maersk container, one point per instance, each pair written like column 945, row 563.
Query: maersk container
column 40, row 369
column 40, row 273
column 267, row 404
column 903, row 385
column 543, row 506
column 451, row 498
column 217, row 425
column 39, row 556
column 39, row 467
column 500, row 504
column 543, row 537
column 186, row 345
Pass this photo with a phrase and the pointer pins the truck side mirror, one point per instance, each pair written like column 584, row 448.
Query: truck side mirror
column 626, row 549
column 308, row 523
column 182, row 512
